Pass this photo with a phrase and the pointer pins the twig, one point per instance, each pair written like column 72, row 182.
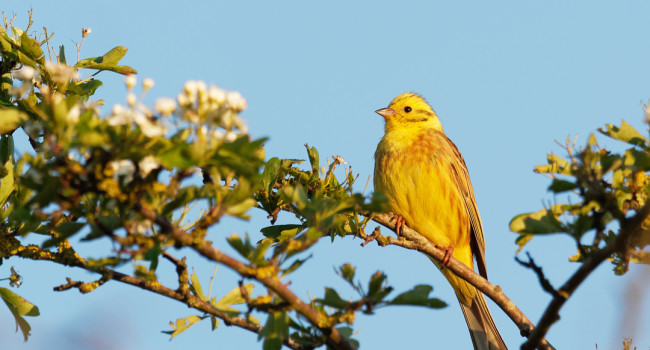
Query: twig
column 34, row 252
column 546, row 284
column 417, row 242
column 629, row 227
column 334, row 338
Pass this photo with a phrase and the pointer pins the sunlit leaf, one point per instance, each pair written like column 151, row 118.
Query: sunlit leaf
column 10, row 119
column 625, row 133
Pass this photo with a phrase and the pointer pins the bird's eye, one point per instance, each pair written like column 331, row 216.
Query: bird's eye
column 407, row 109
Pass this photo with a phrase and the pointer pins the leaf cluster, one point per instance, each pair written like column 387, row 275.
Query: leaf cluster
column 606, row 192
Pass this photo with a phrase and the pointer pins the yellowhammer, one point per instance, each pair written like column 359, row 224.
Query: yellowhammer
column 426, row 181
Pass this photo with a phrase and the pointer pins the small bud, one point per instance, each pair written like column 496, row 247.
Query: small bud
column 230, row 136
column 131, row 99
column 190, row 87
column 147, row 83
column 85, row 32
column 130, row 81
column 201, row 87
column 165, row 106
column 339, row 160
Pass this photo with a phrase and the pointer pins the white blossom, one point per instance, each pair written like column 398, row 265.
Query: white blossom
column 235, row 101
column 123, row 168
column 230, row 136
column 26, row 73
column 130, row 81
column 62, row 73
column 147, row 83
column 165, row 106
column 191, row 87
column 201, row 87
column 339, row 160
column 85, row 32
column 217, row 95
column 131, row 99
column 73, row 114
column 148, row 128
column 147, row 165
column 119, row 116
column 142, row 226
column 217, row 134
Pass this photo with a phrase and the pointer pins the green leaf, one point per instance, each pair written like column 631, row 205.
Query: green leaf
column 176, row 157
column 625, row 133
column 214, row 322
column 347, row 271
column 182, row 324
column 62, row 55
column 31, row 47
column 22, row 306
column 195, row 287
column 376, row 289
column 243, row 247
column 313, row 158
column 347, row 333
column 108, row 62
column 19, row 307
column 275, row 330
column 418, row 296
column 281, row 232
column 234, row 296
column 297, row 195
column 543, row 221
column 240, row 208
column 86, row 88
column 333, row 299
column 559, row 186
column 522, row 240
column 270, row 172
column 10, row 119
column 556, row 165
column 7, row 178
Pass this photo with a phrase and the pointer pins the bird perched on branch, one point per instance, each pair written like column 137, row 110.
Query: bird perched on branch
column 426, row 181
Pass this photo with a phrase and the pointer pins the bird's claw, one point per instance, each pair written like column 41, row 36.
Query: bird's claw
column 448, row 251
column 399, row 224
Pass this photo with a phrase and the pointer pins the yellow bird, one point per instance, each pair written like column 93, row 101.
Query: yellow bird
column 426, row 181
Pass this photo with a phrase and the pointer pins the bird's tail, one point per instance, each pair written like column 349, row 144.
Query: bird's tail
column 484, row 333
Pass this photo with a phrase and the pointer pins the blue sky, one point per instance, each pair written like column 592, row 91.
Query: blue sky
column 507, row 79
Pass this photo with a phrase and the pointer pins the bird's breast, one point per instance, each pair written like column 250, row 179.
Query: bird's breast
column 418, row 182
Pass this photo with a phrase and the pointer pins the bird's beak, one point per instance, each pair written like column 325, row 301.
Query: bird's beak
column 386, row 112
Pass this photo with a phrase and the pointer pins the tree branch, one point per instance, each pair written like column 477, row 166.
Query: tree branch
column 334, row 338
column 629, row 227
column 417, row 242
column 69, row 258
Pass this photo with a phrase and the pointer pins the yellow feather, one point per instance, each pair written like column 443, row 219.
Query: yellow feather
column 426, row 181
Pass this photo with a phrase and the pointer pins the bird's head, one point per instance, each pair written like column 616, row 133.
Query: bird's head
column 409, row 111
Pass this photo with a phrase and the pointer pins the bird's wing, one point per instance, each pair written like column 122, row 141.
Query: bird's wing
column 461, row 177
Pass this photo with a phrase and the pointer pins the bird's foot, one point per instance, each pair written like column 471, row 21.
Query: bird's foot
column 448, row 250
column 399, row 224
